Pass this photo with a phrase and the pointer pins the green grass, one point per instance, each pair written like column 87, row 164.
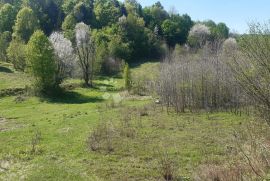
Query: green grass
column 9, row 78
column 66, row 122
column 147, row 71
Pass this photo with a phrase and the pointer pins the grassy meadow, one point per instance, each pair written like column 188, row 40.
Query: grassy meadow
column 50, row 139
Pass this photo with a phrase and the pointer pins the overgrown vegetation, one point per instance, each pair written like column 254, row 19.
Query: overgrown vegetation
column 199, row 111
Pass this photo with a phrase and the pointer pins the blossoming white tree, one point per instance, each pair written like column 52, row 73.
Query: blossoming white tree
column 64, row 56
column 86, row 52
column 198, row 35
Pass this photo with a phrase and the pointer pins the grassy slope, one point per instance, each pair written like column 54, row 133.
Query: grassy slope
column 65, row 124
column 9, row 78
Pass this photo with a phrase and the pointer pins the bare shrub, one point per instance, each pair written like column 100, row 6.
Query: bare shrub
column 101, row 138
column 112, row 66
column 218, row 173
column 127, row 128
column 20, row 99
column 253, row 148
column 248, row 157
column 86, row 50
column 199, row 81
column 251, row 67
column 143, row 111
column 168, row 166
column 35, row 140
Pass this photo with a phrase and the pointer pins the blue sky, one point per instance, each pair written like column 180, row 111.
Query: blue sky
column 235, row 13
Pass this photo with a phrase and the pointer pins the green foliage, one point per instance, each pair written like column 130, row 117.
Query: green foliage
column 118, row 49
column 135, row 34
column 17, row 58
column 107, row 12
column 175, row 29
column 68, row 6
column 154, row 16
column 133, row 7
column 5, row 38
column 110, row 44
column 222, row 31
column 26, row 24
column 68, row 27
column 193, row 42
column 40, row 61
column 7, row 17
column 170, row 30
column 218, row 31
column 127, row 77
column 47, row 12
column 82, row 10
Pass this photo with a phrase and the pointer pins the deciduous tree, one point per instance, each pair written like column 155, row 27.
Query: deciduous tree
column 16, row 54
column 26, row 24
column 86, row 52
column 64, row 56
column 40, row 62
column 7, row 18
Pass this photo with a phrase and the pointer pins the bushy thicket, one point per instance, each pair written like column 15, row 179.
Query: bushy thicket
column 200, row 81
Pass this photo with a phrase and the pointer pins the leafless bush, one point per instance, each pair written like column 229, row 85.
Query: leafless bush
column 127, row 128
column 168, row 166
column 112, row 66
column 109, row 135
column 143, row 111
column 20, row 99
column 35, row 140
column 101, row 138
column 219, row 173
column 199, row 81
column 253, row 147
column 248, row 158
column 251, row 66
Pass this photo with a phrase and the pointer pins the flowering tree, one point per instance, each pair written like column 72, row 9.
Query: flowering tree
column 86, row 52
column 229, row 48
column 64, row 56
column 198, row 35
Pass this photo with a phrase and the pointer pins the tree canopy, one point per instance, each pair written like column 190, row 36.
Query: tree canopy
column 123, row 30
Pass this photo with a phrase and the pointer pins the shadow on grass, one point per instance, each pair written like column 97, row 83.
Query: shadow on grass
column 73, row 98
column 97, row 85
column 5, row 70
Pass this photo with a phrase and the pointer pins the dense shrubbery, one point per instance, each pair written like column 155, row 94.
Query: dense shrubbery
column 199, row 81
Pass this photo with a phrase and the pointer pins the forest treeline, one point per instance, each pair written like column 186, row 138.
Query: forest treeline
column 121, row 30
